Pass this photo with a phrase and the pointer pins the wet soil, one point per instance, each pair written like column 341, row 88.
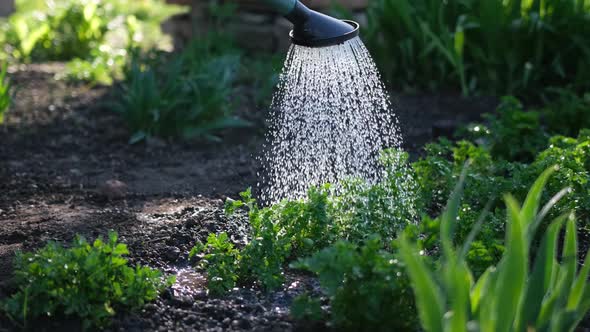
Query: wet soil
column 66, row 168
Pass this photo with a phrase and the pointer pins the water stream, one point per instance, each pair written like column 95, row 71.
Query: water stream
column 329, row 120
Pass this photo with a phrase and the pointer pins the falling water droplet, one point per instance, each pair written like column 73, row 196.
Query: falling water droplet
column 329, row 121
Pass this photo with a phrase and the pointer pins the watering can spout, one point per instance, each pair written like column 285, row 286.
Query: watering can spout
column 314, row 29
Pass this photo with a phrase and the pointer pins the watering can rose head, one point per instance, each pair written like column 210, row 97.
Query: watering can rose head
column 314, row 29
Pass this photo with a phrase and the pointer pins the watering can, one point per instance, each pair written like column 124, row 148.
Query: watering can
column 311, row 28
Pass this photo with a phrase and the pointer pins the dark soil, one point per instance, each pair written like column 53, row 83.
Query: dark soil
column 62, row 150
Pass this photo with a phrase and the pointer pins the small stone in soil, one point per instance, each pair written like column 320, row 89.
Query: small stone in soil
column 113, row 189
column 172, row 253
column 190, row 319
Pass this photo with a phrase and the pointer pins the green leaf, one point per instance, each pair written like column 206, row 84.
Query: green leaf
column 579, row 287
column 474, row 231
column 450, row 216
column 533, row 199
column 549, row 307
column 120, row 249
column 570, row 253
column 542, row 275
column 429, row 297
column 458, row 283
column 512, row 270
column 479, row 290
column 539, row 218
column 459, row 41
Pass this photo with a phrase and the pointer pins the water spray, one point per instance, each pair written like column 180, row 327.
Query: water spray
column 314, row 29
column 331, row 115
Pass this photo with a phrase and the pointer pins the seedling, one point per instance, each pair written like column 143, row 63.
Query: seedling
column 89, row 281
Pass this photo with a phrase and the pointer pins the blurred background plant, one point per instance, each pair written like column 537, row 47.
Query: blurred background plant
column 259, row 70
column 510, row 124
column 260, row 73
column 186, row 95
column 94, row 34
column 566, row 112
column 5, row 90
column 194, row 92
column 499, row 47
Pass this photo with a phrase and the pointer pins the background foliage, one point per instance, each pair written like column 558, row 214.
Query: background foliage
column 6, row 90
column 499, row 47
column 94, row 34
column 188, row 95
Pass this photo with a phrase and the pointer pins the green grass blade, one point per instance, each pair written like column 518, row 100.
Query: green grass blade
column 570, row 253
column 450, row 216
column 5, row 90
column 479, row 290
column 513, row 268
column 533, row 199
column 540, row 280
column 584, row 306
column 486, row 314
column 475, row 230
column 579, row 288
column 549, row 305
column 429, row 298
column 566, row 321
column 554, row 313
column 458, row 283
column 545, row 210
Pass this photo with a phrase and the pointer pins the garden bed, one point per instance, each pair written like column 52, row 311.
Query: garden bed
column 67, row 169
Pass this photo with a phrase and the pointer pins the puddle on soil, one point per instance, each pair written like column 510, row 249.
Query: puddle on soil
column 189, row 283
